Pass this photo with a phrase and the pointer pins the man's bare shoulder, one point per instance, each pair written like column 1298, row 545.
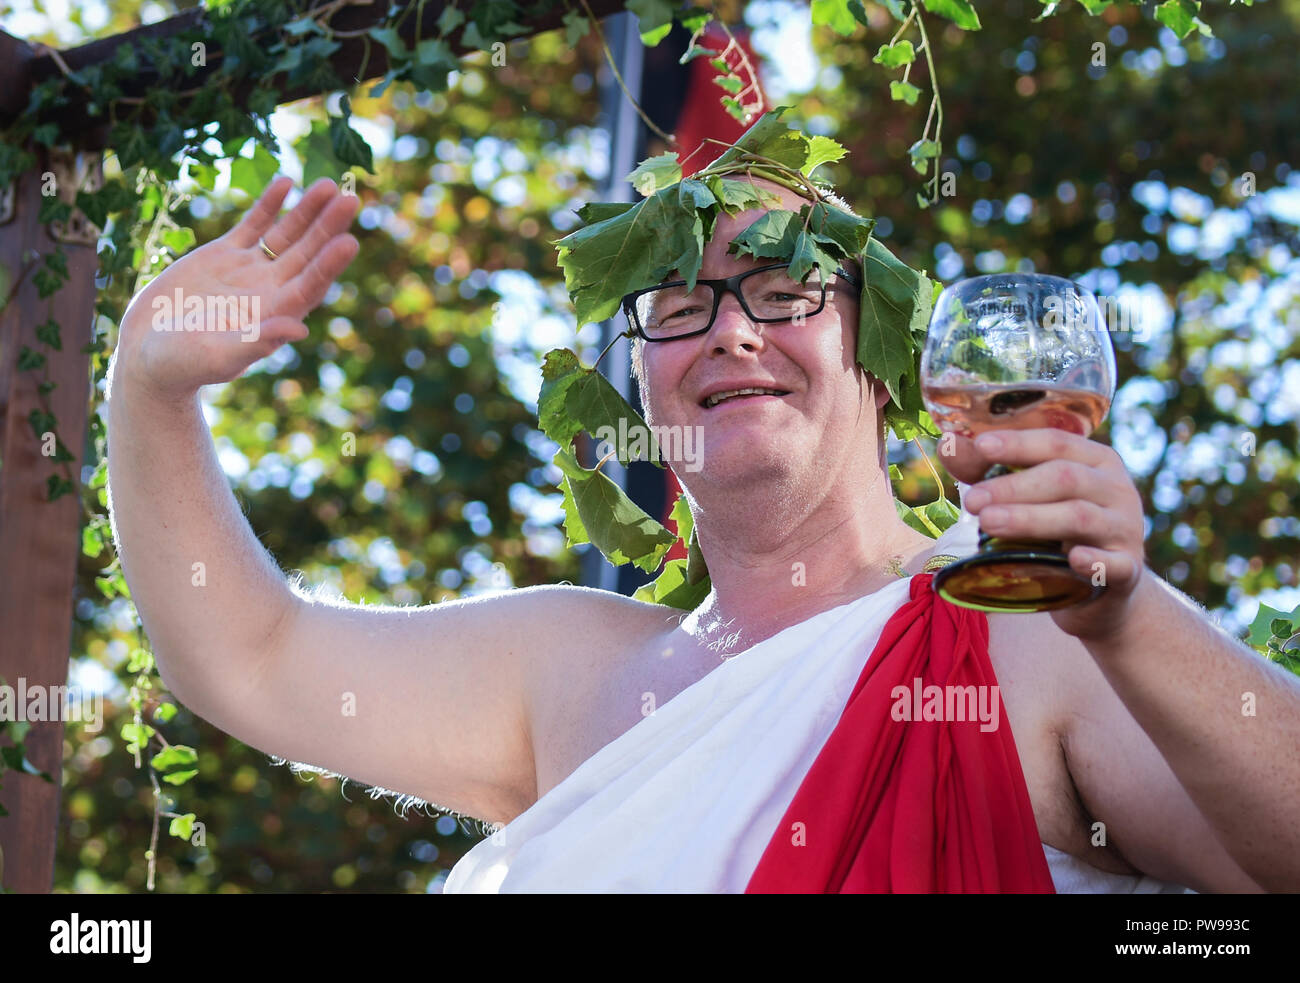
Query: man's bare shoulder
column 578, row 629
column 609, row 611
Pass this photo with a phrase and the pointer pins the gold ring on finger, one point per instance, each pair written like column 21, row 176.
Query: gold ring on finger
column 270, row 253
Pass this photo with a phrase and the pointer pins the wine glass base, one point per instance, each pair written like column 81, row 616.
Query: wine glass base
column 1014, row 581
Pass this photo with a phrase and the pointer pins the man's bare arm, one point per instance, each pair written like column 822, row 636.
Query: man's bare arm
column 1224, row 720
column 429, row 701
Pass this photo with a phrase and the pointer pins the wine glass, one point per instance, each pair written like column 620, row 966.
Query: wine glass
column 1016, row 351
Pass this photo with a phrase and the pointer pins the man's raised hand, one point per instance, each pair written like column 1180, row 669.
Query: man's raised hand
column 217, row 310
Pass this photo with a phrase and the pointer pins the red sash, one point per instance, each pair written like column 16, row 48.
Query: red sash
column 912, row 806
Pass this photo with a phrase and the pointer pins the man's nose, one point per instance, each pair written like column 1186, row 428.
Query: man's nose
column 732, row 330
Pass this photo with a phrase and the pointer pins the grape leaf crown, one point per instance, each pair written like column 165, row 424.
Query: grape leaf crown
column 625, row 246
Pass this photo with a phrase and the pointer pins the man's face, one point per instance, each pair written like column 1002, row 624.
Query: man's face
column 827, row 412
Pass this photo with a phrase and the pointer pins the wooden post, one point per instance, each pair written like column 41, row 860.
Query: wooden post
column 40, row 540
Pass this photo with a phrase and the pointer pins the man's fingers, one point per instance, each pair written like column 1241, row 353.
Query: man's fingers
column 291, row 228
column 1026, row 447
column 1052, row 481
column 1105, row 567
column 260, row 217
column 963, row 461
column 301, row 295
column 333, row 217
column 1075, row 521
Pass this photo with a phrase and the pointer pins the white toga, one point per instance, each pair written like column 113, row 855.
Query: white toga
column 688, row 798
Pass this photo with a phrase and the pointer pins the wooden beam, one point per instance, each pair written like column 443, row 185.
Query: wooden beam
column 39, row 540
column 90, row 131
column 16, row 56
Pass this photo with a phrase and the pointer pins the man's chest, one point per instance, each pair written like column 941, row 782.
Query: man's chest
column 606, row 694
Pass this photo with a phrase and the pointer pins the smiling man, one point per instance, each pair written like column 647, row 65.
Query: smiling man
column 628, row 747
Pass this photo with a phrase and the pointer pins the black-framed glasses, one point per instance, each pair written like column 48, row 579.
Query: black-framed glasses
column 768, row 295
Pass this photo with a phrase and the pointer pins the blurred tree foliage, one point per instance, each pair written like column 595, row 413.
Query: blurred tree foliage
column 386, row 457
column 1059, row 163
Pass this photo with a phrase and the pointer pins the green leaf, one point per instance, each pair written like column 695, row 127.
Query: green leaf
column 903, row 92
column 53, row 210
column 164, row 712
column 729, row 83
column 598, row 211
column 769, row 137
column 560, row 370
column 576, row 27
column 960, row 12
column 471, row 38
column 137, row 736
column 771, row 236
column 694, row 18
column 450, row 19
column 176, row 764
column 895, row 308
column 821, row 150
column 1180, row 17
column 1095, row 7
column 303, row 25
column 942, row 513
column 315, row 150
column 734, row 108
column 637, row 248
column 575, row 533
column 672, row 588
column 391, row 40
column 1260, row 628
column 654, row 19
column 29, row 358
column 921, row 153
column 615, row 524
column 734, row 195
column 348, row 145
column 574, row 397
column 895, row 55
column 178, row 239
column 897, row 9
column 859, row 12
column 140, row 660
column 204, row 175
column 15, row 757
column 251, row 176
column 915, row 519
column 182, row 826
column 835, row 14
column 656, row 173
column 92, row 542
column 681, row 515
column 695, row 51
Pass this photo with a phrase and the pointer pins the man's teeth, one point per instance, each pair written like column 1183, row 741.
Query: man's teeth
column 717, row 398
